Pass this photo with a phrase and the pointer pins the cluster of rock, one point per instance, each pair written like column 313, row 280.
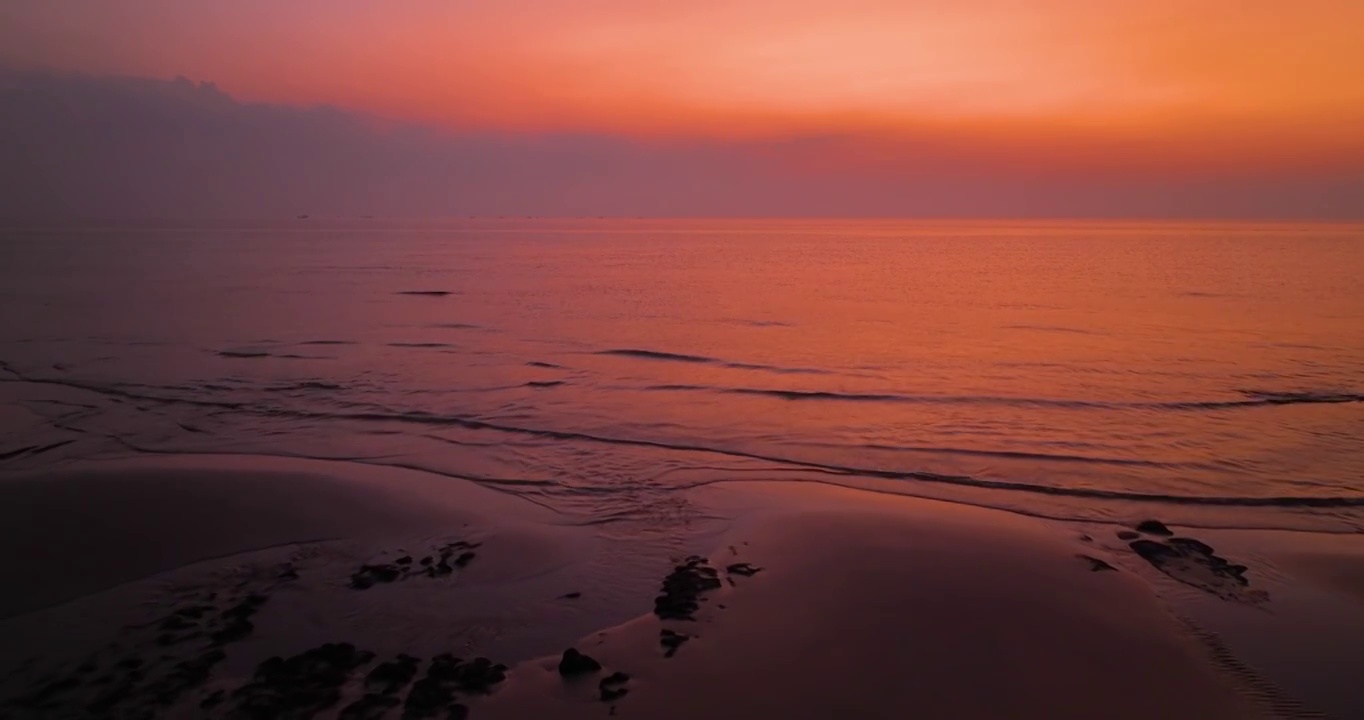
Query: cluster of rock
column 431, row 566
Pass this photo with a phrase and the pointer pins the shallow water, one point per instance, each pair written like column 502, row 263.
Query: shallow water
column 1206, row 374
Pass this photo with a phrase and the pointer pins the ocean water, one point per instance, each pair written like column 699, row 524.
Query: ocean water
column 1208, row 374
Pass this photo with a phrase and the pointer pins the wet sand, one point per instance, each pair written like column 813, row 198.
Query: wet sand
column 232, row 587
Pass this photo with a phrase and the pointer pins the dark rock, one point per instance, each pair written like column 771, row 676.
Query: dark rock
column 368, row 575
column 176, row 622
column 185, row 676
column 570, row 596
column 1195, row 563
column 1096, row 564
column 193, row 612
column 480, row 675
column 464, row 559
column 428, row 697
column 744, row 569
column 682, row 588
column 300, row 686
column 444, row 667
column 671, row 641
column 1128, row 535
column 426, row 560
column 247, row 607
column 237, row 629
column 391, row 677
column 575, row 663
column 237, row 617
column 447, row 674
column 1152, row 551
column 611, row 686
column 1192, row 545
column 1154, row 527
column 404, row 560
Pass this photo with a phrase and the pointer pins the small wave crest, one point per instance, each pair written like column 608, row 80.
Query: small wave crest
column 422, row 418
column 703, row 360
column 658, row 355
column 261, row 354
column 306, row 385
column 1253, row 399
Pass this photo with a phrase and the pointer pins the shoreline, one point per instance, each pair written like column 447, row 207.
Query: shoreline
column 536, row 582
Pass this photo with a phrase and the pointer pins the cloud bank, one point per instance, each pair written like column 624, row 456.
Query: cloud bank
column 81, row 146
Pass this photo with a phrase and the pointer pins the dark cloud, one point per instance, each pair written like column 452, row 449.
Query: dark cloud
column 82, row 146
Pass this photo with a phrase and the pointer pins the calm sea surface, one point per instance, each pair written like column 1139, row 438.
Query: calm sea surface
column 1208, row 374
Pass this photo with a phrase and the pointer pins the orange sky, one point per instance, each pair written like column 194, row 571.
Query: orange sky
column 1264, row 82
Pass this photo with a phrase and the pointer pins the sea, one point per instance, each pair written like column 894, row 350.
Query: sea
column 1210, row 374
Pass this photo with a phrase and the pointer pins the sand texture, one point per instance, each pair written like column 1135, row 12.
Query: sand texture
column 238, row 589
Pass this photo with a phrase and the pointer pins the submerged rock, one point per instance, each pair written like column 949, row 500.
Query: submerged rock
column 368, row 575
column 1195, row 563
column 300, row 686
column 743, row 569
column 1154, row 527
column 682, row 589
column 390, row 677
column 671, row 641
column 612, row 687
column 1096, row 564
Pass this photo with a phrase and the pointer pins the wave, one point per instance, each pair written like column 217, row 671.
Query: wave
column 423, row 418
column 1253, row 399
column 757, row 323
column 1051, row 328
column 427, row 293
column 305, row 385
column 328, row 342
column 1012, row 455
column 420, row 345
column 537, row 363
column 469, row 423
column 34, row 449
column 544, row 383
column 658, row 355
column 457, row 326
column 258, row 354
column 703, row 360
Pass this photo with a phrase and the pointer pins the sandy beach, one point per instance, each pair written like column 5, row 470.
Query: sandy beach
column 240, row 587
